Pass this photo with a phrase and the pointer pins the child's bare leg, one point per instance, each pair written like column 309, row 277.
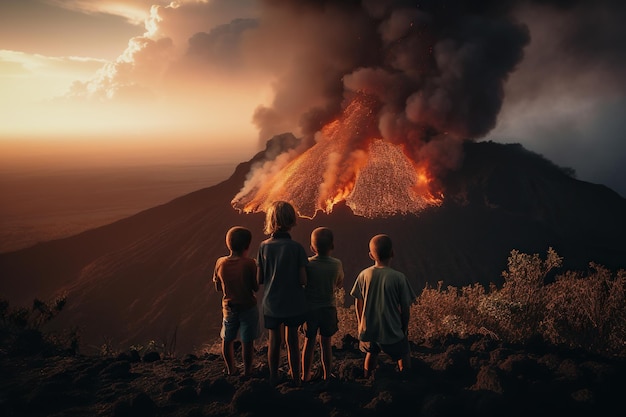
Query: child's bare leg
column 293, row 352
column 404, row 363
column 326, row 352
column 371, row 360
column 307, row 358
column 247, row 348
column 273, row 352
column 228, row 352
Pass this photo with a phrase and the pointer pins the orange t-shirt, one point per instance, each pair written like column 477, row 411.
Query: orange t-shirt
column 237, row 277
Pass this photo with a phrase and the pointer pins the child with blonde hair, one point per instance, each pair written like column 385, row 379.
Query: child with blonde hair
column 281, row 270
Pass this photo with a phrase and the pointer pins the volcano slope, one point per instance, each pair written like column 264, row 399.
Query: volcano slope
column 147, row 277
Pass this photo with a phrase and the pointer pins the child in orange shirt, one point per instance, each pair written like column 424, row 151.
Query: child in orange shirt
column 235, row 276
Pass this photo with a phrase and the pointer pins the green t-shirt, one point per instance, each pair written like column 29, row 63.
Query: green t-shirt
column 324, row 274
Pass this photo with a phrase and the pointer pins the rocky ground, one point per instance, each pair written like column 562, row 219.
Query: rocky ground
column 473, row 377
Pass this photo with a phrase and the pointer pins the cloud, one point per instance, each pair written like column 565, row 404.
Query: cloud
column 29, row 68
column 135, row 11
column 181, row 39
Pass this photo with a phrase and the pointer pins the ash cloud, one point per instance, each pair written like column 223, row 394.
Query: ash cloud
column 437, row 68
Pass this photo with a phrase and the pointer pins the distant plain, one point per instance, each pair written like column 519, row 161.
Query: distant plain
column 42, row 203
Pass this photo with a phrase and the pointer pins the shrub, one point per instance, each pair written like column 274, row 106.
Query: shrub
column 576, row 310
column 588, row 311
column 22, row 329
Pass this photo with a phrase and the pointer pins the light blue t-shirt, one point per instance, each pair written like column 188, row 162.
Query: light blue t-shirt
column 280, row 259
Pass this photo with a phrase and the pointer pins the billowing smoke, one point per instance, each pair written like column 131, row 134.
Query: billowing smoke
column 437, row 68
column 424, row 75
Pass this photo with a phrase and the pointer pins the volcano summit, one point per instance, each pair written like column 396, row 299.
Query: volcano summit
column 347, row 163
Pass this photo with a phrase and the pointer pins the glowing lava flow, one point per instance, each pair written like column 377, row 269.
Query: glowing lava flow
column 373, row 176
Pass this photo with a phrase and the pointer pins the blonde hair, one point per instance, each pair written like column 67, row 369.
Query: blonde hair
column 280, row 215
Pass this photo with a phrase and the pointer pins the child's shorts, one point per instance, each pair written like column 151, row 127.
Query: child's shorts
column 273, row 323
column 396, row 350
column 323, row 319
column 245, row 322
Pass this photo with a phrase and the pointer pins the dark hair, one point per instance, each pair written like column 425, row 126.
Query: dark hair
column 280, row 215
column 238, row 239
column 381, row 247
column 322, row 240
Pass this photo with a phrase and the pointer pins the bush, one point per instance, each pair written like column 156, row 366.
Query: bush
column 588, row 311
column 577, row 310
column 22, row 329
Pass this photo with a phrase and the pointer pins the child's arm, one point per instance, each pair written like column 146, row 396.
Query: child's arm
column 259, row 275
column 358, row 307
column 255, row 279
column 302, row 277
column 216, row 279
column 405, row 315
column 339, row 283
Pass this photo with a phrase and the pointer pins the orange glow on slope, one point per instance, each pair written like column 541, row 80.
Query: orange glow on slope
column 373, row 176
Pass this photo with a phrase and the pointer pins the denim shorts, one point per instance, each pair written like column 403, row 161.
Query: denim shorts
column 245, row 322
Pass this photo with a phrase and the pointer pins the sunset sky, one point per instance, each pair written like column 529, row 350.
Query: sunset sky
column 147, row 78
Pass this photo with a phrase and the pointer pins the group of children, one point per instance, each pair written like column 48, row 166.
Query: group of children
column 299, row 296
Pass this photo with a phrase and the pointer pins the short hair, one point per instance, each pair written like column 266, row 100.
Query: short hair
column 280, row 215
column 322, row 240
column 381, row 247
column 238, row 239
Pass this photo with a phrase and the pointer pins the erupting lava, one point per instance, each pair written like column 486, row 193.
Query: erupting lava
column 349, row 162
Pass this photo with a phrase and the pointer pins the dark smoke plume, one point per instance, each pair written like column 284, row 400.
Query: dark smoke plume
column 438, row 68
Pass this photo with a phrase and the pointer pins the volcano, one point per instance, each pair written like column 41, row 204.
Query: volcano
column 148, row 276
column 349, row 163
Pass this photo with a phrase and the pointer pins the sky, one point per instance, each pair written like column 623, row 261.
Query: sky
column 101, row 80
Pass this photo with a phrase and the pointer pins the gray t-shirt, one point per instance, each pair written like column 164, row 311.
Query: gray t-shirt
column 280, row 259
column 383, row 291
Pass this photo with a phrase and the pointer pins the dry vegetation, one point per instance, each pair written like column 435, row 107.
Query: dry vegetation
column 573, row 309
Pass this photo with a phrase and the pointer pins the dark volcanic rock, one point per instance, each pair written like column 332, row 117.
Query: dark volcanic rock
column 515, row 384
